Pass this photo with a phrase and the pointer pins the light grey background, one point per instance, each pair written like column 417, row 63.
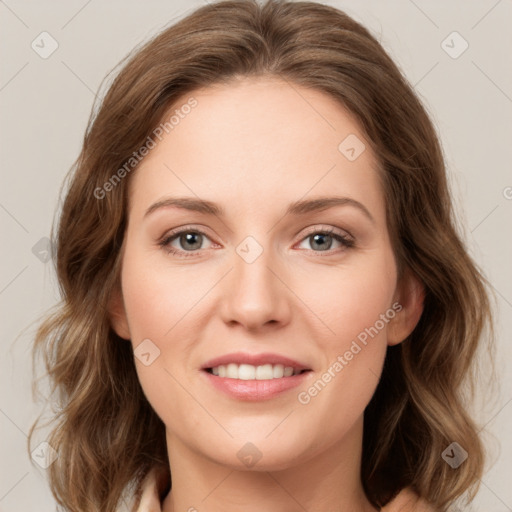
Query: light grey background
column 45, row 104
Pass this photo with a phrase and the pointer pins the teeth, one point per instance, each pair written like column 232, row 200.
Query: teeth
column 277, row 371
column 242, row 372
column 250, row 372
column 264, row 372
column 232, row 371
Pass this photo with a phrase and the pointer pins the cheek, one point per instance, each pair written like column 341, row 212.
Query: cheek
column 156, row 298
column 162, row 307
column 354, row 306
column 350, row 298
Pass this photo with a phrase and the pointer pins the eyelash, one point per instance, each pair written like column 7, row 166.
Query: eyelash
column 346, row 241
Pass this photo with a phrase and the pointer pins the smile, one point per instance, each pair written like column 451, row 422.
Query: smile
column 254, row 377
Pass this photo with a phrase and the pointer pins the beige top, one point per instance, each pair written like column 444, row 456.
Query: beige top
column 154, row 486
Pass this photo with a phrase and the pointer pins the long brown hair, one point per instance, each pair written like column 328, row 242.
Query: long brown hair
column 419, row 407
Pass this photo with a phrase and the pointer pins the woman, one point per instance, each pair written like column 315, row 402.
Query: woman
column 264, row 294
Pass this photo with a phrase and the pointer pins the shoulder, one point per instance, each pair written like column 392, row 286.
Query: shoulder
column 408, row 501
column 148, row 495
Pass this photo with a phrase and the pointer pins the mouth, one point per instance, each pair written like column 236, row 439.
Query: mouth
column 251, row 377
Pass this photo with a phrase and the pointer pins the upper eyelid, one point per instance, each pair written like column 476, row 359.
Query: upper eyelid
column 184, row 229
column 329, row 229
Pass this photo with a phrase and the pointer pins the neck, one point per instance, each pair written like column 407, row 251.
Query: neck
column 327, row 481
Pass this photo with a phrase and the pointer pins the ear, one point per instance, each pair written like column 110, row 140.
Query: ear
column 409, row 297
column 117, row 314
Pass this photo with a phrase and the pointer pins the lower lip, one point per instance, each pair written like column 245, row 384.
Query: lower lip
column 255, row 390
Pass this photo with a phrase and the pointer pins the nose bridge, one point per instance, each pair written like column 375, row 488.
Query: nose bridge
column 254, row 296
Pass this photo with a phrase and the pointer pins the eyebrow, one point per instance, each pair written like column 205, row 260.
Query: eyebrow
column 300, row 207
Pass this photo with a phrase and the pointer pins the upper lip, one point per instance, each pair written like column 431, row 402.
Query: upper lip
column 254, row 360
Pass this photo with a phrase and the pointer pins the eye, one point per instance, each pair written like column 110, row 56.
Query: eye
column 322, row 240
column 187, row 242
column 183, row 241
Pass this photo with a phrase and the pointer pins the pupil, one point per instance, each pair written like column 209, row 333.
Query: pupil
column 322, row 244
column 189, row 238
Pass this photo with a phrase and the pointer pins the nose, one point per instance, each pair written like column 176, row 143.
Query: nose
column 255, row 294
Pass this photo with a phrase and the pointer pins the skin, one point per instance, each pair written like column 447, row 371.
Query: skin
column 254, row 146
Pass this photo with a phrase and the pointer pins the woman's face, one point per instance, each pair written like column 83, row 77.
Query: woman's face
column 283, row 261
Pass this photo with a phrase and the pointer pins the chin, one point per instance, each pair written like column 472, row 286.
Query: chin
column 259, row 454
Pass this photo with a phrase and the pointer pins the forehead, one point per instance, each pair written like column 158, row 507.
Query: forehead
column 259, row 140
